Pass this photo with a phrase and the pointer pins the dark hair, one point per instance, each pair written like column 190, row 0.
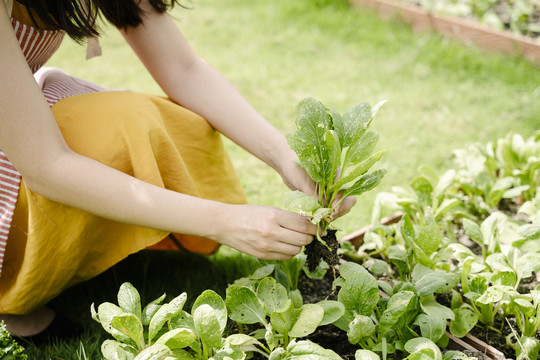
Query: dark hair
column 78, row 17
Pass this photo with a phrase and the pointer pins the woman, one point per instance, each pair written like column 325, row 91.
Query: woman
column 107, row 173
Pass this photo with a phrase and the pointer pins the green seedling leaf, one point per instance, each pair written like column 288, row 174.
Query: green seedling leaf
column 308, row 140
column 301, row 202
column 397, row 306
column 154, row 352
column 273, row 295
column 432, row 328
column 177, row 338
column 472, row 229
column 423, row 189
column 129, row 299
column 363, row 148
column 333, row 310
column 227, row 353
column 331, row 140
column 355, row 122
column 306, row 320
column 366, row 355
column 114, row 350
column 365, row 183
column 282, row 321
column 359, row 292
column 180, row 354
column 358, row 171
column 105, row 314
column 165, row 313
column 296, row 298
column 446, row 206
column 207, row 325
column 211, row 298
column 421, row 344
column 464, row 322
column 242, row 340
column 429, row 238
column 428, row 281
column 131, row 326
column 278, row 354
column 361, row 327
column 527, row 348
column 432, row 308
column 150, row 310
column 244, row 306
column 493, row 294
column 307, row 350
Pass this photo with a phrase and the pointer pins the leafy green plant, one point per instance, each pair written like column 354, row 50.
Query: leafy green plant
column 336, row 151
column 284, row 317
column 166, row 331
column 9, row 348
column 385, row 324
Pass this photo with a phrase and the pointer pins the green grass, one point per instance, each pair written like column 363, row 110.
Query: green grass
column 441, row 96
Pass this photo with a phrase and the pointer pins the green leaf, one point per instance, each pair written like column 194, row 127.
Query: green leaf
column 432, row 328
column 215, row 301
column 306, row 320
column 106, row 312
column 244, row 306
column 493, row 294
column 364, row 147
column 420, row 344
column 464, row 322
column 397, row 306
column 355, row 123
column 165, row 313
column 333, row 310
column 177, row 338
column 365, row 183
column 129, row 299
column 427, row 281
column 150, row 310
column 423, row 189
column 282, row 321
column 273, row 295
column 154, row 352
column 366, row 355
column 331, row 140
column 432, row 308
column 307, row 350
column 130, row 325
column 207, row 325
column 527, row 348
column 308, row 140
column 358, row 171
column 472, row 229
column 359, row 292
column 301, row 202
column 361, row 327
column 429, row 238
column 114, row 350
column 180, row 354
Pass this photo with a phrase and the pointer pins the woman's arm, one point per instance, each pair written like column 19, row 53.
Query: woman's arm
column 32, row 141
column 191, row 82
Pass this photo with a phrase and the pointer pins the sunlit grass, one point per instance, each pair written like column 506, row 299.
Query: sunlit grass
column 441, row 96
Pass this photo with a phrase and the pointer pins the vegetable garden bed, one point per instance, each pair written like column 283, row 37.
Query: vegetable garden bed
column 457, row 265
column 465, row 30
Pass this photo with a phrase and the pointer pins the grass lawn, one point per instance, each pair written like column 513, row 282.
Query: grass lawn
column 441, row 96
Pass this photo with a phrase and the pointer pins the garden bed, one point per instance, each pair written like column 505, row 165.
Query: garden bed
column 465, row 30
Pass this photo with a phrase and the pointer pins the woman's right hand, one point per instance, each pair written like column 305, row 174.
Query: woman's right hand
column 265, row 232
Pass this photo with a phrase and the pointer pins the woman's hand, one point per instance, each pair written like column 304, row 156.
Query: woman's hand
column 262, row 231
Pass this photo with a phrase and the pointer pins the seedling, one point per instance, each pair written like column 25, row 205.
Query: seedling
column 336, row 151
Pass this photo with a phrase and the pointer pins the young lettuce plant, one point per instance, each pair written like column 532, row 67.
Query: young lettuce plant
column 283, row 316
column 166, row 331
column 336, row 151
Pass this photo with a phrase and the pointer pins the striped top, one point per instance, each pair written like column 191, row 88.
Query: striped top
column 37, row 46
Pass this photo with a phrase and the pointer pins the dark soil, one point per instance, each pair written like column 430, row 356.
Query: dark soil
column 316, row 251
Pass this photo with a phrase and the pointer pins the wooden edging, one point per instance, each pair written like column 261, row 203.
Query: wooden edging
column 469, row 342
column 466, row 31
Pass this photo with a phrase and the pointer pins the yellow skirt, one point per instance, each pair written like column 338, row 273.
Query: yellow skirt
column 52, row 246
